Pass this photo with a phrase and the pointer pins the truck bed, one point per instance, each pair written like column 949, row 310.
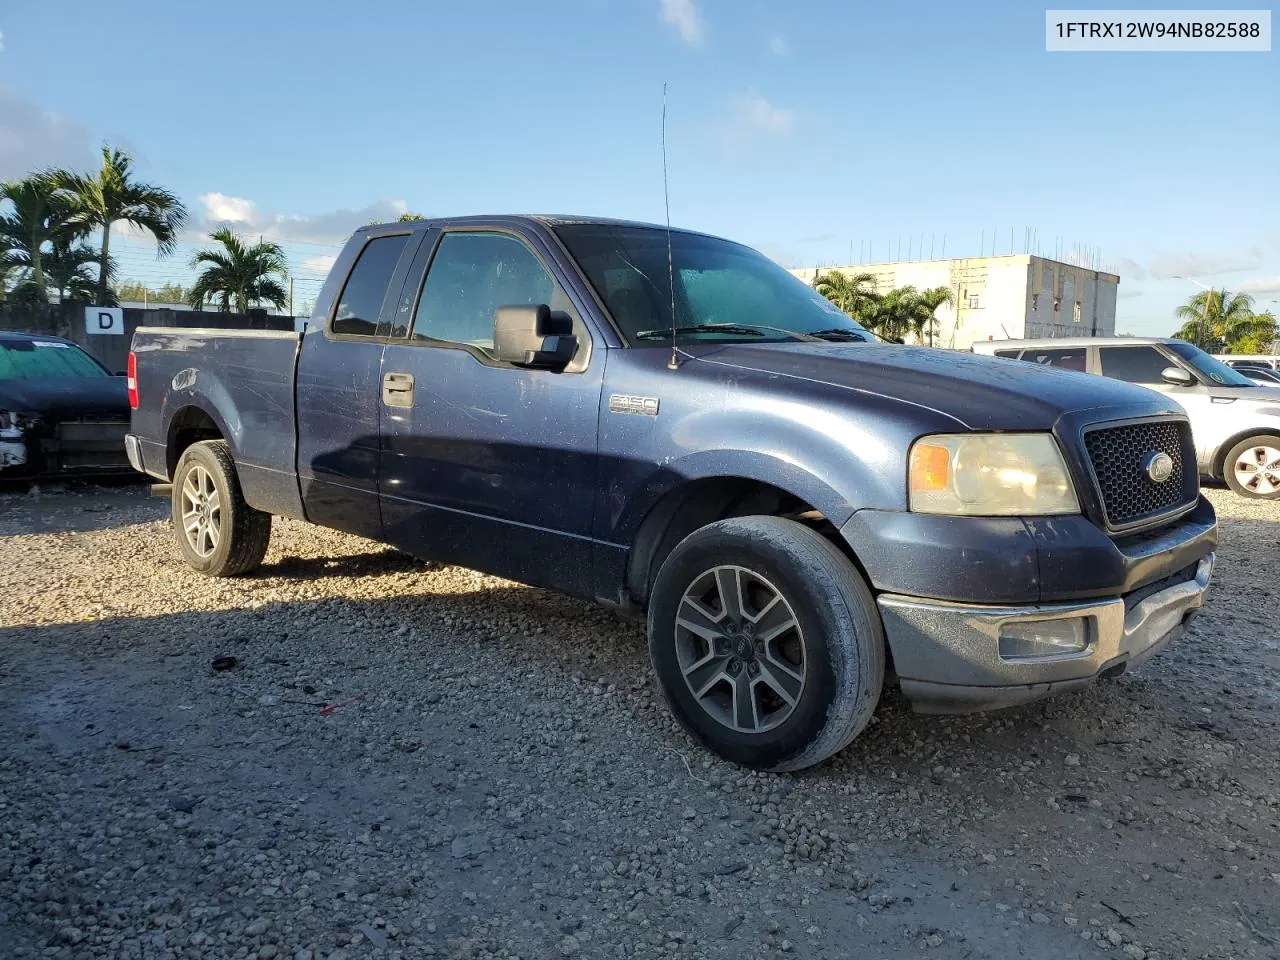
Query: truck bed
column 244, row 381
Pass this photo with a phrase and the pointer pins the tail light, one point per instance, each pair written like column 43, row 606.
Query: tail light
column 132, row 381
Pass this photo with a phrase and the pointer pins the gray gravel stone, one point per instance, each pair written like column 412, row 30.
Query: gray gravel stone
column 428, row 762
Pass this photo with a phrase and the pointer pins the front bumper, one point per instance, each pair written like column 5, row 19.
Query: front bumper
column 947, row 655
column 64, row 449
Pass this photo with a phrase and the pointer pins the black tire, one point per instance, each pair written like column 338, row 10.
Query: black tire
column 242, row 533
column 837, row 629
column 1266, row 482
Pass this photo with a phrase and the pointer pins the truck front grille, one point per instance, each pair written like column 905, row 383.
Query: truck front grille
column 1120, row 457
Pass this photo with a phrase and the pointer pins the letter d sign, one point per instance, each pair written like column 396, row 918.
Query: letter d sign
column 104, row 320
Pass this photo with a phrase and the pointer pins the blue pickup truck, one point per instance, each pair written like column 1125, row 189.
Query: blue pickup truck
column 671, row 424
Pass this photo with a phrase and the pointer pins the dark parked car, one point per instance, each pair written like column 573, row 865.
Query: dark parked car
column 790, row 504
column 62, row 414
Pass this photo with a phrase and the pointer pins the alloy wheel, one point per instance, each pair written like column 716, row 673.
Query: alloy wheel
column 1258, row 470
column 740, row 648
column 201, row 511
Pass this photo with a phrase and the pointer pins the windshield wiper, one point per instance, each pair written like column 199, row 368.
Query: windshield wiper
column 839, row 333
column 740, row 329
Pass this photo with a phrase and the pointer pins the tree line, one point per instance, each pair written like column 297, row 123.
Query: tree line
column 1217, row 321
column 1220, row 321
column 893, row 314
column 49, row 219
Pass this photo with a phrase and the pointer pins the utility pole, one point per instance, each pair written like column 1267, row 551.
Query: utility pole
column 291, row 296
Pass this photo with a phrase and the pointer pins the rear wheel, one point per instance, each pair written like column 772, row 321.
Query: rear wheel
column 217, row 533
column 767, row 642
column 1252, row 467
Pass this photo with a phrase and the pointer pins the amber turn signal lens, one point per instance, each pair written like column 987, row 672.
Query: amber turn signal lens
column 930, row 467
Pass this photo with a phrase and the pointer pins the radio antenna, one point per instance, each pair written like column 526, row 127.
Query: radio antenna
column 674, row 362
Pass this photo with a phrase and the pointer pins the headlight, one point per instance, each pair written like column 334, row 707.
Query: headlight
column 990, row 475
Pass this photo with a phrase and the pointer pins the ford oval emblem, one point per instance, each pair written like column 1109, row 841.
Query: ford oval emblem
column 1159, row 466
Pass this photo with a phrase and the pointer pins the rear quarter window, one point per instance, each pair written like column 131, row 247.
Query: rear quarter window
column 360, row 303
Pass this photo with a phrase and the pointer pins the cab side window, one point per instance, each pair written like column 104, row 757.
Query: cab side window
column 361, row 300
column 471, row 276
column 1138, row 364
column 1062, row 359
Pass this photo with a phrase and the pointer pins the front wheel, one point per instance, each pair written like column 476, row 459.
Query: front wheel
column 218, row 534
column 766, row 642
column 1252, row 467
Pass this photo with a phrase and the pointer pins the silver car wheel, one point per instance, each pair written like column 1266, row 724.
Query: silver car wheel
column 201, row 511
column 1257, row 469
column 740, row 649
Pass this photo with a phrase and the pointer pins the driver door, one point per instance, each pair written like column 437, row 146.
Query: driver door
column 483, row 463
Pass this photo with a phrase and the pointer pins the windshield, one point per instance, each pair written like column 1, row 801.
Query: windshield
column 1215, row 371
column 723, row 290
column 38, row 359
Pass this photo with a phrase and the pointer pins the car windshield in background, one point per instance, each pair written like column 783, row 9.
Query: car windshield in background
column 38, row 359
column 723, row 290
column 1215, row 370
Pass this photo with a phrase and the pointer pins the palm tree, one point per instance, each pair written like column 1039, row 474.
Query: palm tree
column 928, row 303
column 238, row 274
column 896, row 313
column 855, row 293
column 68, row 269
column 35, row 217
column 112, row 195
column 1219, row 316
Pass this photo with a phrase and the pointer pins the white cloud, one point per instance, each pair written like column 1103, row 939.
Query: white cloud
column 1166, row 266
column 32, row 138
column 753, row 118
column 1132, row 269
column 684, row 17
column 778, row 46
column 319, row 265
column 230, row 210
column 1260, row 286
column 1, row 41
column 244, row 216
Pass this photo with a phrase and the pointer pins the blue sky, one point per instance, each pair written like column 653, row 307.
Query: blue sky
column 801, row 128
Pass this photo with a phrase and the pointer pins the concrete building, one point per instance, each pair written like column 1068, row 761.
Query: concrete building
column 996, row 298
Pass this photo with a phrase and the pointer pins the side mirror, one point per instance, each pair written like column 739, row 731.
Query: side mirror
column 1177, row 377
column 533, row 336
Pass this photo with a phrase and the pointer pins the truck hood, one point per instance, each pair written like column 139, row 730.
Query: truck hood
column 64, row 398
column 980, row 393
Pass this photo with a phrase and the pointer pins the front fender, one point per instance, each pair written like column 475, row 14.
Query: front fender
column 832, row 460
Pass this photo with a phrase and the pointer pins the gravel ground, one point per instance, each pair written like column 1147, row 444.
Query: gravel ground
column 416, row 762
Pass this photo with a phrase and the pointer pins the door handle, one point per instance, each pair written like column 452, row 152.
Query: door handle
column 397, row 389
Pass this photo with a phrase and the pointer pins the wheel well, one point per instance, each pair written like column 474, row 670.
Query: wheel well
column 1220, row 458
column 189, row 425
column 700, row 502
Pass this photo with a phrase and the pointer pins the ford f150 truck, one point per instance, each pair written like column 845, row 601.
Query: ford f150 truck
column 671, row 424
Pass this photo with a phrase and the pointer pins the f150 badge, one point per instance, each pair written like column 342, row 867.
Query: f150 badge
column 623, row 403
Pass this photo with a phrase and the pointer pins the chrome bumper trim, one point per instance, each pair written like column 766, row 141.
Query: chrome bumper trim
column 133, row 450
column 948, row 657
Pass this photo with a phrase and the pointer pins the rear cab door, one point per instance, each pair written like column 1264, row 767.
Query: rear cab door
column 340, row 380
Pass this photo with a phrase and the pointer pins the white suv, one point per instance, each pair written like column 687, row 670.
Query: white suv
column 1235, row 422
